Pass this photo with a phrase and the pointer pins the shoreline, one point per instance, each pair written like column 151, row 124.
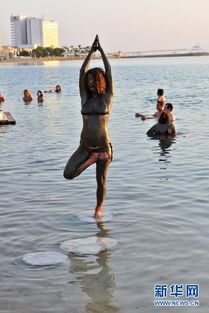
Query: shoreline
column 73, row 58
column 42, row 59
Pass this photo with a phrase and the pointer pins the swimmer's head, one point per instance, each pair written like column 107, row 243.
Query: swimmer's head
column 164, row 118
column 95, row 80
column 168, row 107
column 160, row 92
column 58, row 88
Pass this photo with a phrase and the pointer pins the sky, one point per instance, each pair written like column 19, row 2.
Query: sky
column 122, row 25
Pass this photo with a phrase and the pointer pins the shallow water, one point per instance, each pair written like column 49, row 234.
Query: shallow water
column 157, row 190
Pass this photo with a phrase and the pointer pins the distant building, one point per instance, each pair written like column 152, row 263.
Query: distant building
column 196, row 48
column 33, row 31
column 7, row 52
column 50, row 34
column 30, row 32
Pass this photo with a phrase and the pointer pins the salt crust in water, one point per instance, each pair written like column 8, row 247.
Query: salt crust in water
column 89, row 245
column 44, row 258
column 90, row 219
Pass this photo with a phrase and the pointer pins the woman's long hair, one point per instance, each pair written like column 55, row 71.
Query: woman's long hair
column 99, row 78
column 27, row 93
column 40, row 94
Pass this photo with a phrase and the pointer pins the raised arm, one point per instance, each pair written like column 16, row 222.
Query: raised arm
column 144, row 117
column 107, row 66
column 85, row 66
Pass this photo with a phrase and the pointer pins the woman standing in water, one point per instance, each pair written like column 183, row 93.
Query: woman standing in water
column 40, row 97
column 96, row 92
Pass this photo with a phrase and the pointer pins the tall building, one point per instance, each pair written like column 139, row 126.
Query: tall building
column 30, row 32
column 18, row 30
column 49, row 34
column 33, row 31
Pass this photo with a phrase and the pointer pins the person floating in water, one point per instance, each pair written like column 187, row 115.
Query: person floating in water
column 27, row 96
column 40, row 97
column 163, row 127
column 57, row 89
column 159, row 106
column 96, row 92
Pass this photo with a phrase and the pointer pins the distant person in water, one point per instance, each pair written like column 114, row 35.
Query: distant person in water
column 2, row 98
column 169, row 110
column 159, row 108
column 40, row 97
column 160, row 96
column 27, row 96
column 96, row 92
column 163, row 127
column 57, row 89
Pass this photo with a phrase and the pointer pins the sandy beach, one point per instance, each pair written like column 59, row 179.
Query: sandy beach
column 44, row 59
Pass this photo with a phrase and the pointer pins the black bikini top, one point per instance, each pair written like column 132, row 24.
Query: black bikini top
column 100, row 106
column 91, row 113
column 95, row 109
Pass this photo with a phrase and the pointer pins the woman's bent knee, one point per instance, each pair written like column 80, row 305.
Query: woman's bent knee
column 68, row 175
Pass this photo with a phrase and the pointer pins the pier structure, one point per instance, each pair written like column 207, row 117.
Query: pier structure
column 194, row 51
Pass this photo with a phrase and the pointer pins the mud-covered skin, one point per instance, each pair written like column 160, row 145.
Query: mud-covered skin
column 95, row 144
column 95, row 132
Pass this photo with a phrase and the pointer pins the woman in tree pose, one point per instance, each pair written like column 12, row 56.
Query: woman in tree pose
column 96, row 92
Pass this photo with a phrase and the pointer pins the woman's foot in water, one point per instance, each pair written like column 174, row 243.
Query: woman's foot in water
column 98, row 212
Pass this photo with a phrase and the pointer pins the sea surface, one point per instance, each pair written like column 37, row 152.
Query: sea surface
column 157, row 194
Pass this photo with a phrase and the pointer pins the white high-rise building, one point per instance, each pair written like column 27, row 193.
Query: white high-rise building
column 18, row 30
column 30, row 32
column 50, row 34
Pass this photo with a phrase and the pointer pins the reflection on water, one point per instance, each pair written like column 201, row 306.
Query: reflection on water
column 45, row 63
column 51, row 63
column 1, row 129
column 95, row 277
column 164, row 143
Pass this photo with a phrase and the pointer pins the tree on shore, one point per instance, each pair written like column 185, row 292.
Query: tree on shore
column 79, row 50
column 47, row 52
column 56, row 52
column 24, row 53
